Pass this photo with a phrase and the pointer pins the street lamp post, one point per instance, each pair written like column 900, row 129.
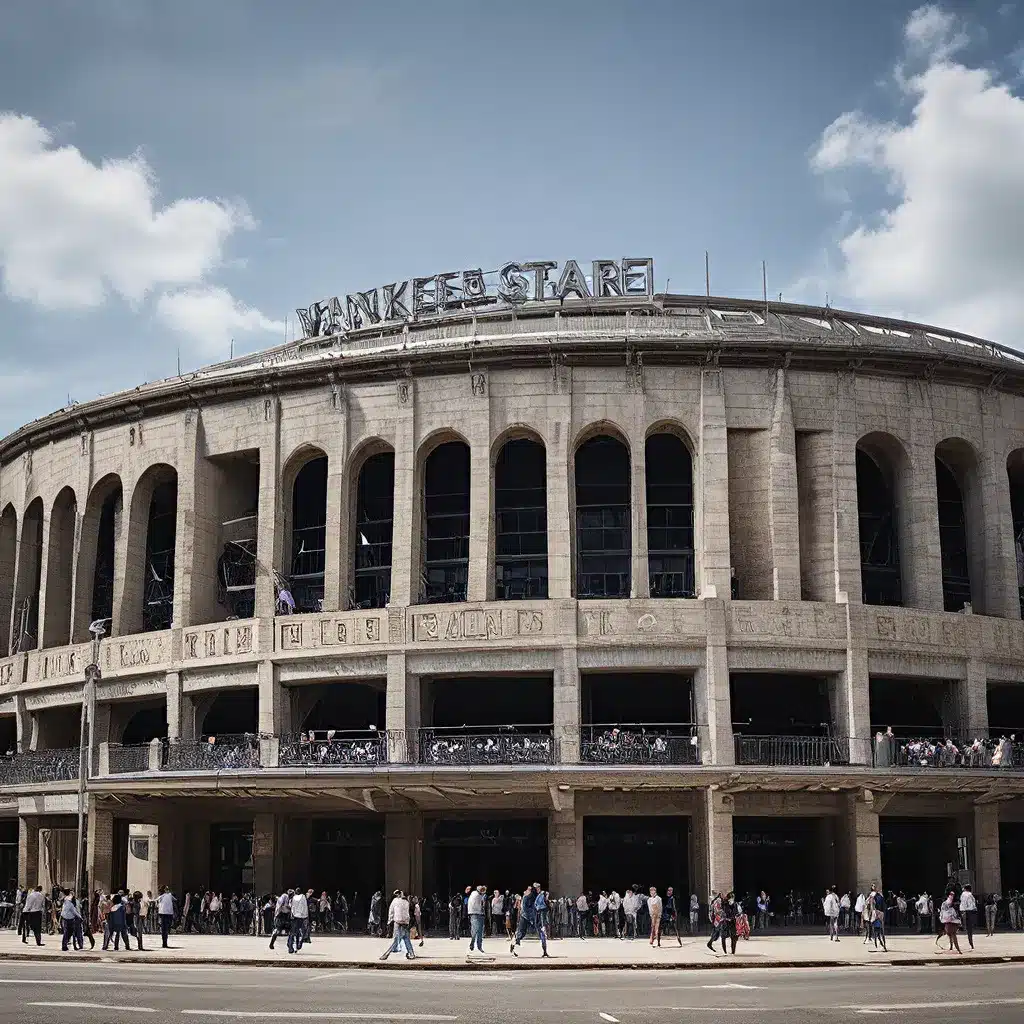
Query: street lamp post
column 85, row 743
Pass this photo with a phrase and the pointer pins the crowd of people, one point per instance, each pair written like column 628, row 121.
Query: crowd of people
column 923, row 752
column 330, row 749
column 640, row 746
column 494, row 749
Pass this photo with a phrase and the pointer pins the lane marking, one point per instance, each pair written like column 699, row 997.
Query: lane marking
column 731, row 985
column 97, row 1006
column 326, row 1015
column 955, row 1004
column 101, row 984
column 608, row 1017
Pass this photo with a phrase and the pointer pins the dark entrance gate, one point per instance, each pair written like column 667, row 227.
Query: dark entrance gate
column 917, row 853
column 622, row 851
column 505, row 853
column 348, row 856
column 783, row 856
column 231, row 868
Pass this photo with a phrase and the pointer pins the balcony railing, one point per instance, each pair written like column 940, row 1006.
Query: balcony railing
column 38, row 766
column 792, row 751
column 122, row 760
column 639, row 744
column 495, row 746
column 991, row 754
column 342, row 749
column 214, row 754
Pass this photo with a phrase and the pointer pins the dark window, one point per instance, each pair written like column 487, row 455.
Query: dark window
column 446, row 523
column 881, row 583
column 521, row 526
column 670, row 537
column 103, row 575
column 158, row 594
column 309, row 535
column 1016, row 475
column 603, row 522
column 956, row 582
column 375, row 512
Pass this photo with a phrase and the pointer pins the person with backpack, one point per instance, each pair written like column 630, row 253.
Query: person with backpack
column 533, row 914
column 876, row 927
column 715, row 917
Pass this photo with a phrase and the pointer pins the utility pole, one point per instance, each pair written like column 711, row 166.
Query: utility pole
column 86, row 743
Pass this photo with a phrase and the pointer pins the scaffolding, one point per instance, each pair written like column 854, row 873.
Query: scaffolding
column 236, row 567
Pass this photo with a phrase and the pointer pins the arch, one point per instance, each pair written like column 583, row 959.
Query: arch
column 1015, row 476
column 882, row 467
column 445, row 517
column 602, row 471
column 958, row 494
column 230, row 713
column 670, row 426
column 146, row 723
column 373, row 499
column 670, row 515
column 599, row 428
column 60, row 569
column 8, row 559
column 148, row 587
column 306, row 474
column 521, row 517
column 97, row 555
column 25, row 623
column 349, row 706
column 515, row 432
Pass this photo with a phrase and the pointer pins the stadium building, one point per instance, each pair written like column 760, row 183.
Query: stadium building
column 597, row 588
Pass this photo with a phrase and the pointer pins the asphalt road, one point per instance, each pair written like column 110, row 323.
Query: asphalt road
column 111, row 993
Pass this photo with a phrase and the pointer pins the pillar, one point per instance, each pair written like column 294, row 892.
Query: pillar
column 864, row 843
column 22, row 722
column 44, row 572
column 566, row 720
column 712, row 541
column 783, row 508
column 920, row 547
column 565, row 849
column 100, row 848
column 339, row 540
column 987, row 868
column 270, row 521
column 845, row 521
column 171, row 856
column 712, row 842
column 480, row 585
column 28, row 851
column 974, row 702
column 711, row 690
column 561, row 503
column 850, row 693
column 403, row 852
column 180, row 726
column 274, row 704
column 402, row 711
column 195, row 536
column 998, row 556
column 405, row 570
column 266, row 874
column 640, row 569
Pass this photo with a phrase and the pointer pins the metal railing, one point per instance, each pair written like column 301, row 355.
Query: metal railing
column 982, row 754
column 214, row 754
column 793, row 751
column 121, row 760
column 342, row 748
column 639, row 744
column 37, row 766
column 482, row 746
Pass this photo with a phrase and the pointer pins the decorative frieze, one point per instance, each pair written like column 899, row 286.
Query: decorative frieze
column 780, row 622
column 143, row 651
column 475, row 624
column 635, row 622
column 135, row 688
column 223, row 640
column 306, row 632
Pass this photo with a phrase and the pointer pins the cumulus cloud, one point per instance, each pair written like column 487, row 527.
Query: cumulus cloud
column 944, row 245
column 211, row 317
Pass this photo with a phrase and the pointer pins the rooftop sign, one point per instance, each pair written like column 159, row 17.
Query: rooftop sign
column 512, row 285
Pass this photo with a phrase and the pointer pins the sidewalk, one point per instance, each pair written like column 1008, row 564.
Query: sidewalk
column 610, row 954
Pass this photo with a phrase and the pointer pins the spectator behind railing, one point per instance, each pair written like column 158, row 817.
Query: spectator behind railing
column 640, row 745
column 486, row 748
column 923, row 752
column 330, row 747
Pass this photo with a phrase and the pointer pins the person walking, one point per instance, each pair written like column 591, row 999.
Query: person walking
column 950, row 920
column 582, row 906
column 532, row 915
column 68, row 915
column 614, row 906
column 32, row 915
column 118, row 922
column 715, row 917
column 876, row 924
column 476, row 906
column 398, row 915
column 300, row 922
column 454, row 915
column 630, row 907
column 729, row 914
column 282, row 916
column 165, row 911
column 923, row 907
column 655, row 907
column 968, row 910
column 830, row 904
column 694, row 913
column 417, row 916
column 497, row 912
column 671, row 913
column 763, row 904
column 991, row 910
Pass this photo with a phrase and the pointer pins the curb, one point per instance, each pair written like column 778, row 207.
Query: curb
column 422, row 964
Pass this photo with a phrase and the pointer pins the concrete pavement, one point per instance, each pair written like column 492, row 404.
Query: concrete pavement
column 440, row 953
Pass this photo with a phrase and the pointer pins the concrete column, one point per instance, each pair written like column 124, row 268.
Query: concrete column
column 974, row 699
column 783, row 509
column 338, row 543
column 270, row 538
column 712, row 541
column 405, row 547
column 566, row 719
column 711, row 691
column 177, row 726
column 28, row 851
column 44, row 572
column 997, row 552
column 561, row 502
column 865, row 853
column 274, row 703
column 565, row 849
column 712, row 841
column 196, row 536
column 104, row 758
column 845, row 522
column 264, row 853
column 403, row 852
column 402, row 710
column 850, row 693
column 22, row 722
column 640, row 585
column 918, row 509
column 100, row 848
column 480, row 585
column 986, row 866
column 815, row 498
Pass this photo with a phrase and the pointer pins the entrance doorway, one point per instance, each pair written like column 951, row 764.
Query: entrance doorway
column 506, row 853
column 231, row 867
column 348, row 857
column 1011, row 854
column 622, row 851
column 790, row 858
column 916, row 854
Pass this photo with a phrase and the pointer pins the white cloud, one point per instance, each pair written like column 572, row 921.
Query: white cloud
column 73, row 232
column 933, row 32
column 947, row 247
column 211, row 317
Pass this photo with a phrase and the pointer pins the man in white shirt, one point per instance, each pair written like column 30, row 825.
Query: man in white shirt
column 475, row 909
column 582, row 913
column 282, row 916
column 654, row 908
column 830, row 904
column 602, row 912
column 398, row 915
column 497, row 911
column 630, row 906
column 165, row 910
column 300, row 915
column 923, row 905
column 32, row 914
column 968, row 909
column 614, row 904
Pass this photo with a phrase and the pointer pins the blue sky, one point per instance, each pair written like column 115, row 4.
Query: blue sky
column 173, row 176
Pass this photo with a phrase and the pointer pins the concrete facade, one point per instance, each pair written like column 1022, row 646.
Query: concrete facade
column 772, row 409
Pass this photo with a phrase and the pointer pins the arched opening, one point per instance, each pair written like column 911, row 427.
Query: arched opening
column 60, row 569
column 108, row 529
column 603, row 526
column 670, row 535
column 953, row 469
column 146, row 724
column 521, row 521
column 30, row 561
column 231, row 713
column 375, row 514
column 1015, row 472
column 8, row 555
column 877, row 517
column 158, row 593
column 446, row 482
column 235, row 481
column 309, row 535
